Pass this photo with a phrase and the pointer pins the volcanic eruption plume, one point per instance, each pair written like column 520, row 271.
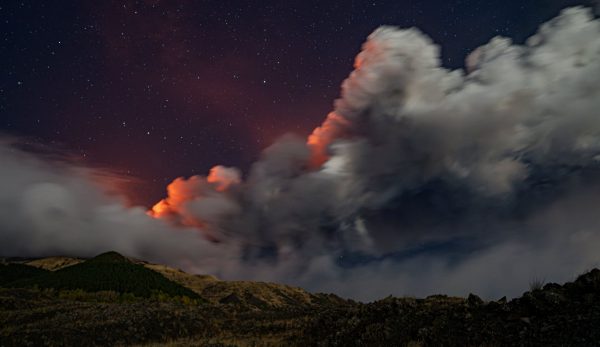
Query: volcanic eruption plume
column 420, row 180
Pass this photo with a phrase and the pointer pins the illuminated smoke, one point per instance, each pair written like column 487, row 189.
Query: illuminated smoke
column 223, row 177
column 334, row 127
column 199, row 201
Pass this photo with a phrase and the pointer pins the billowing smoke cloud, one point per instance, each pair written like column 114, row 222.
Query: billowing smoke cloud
column 54, row 208
column 421, row 180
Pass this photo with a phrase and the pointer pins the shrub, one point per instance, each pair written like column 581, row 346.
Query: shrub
column 536, row 284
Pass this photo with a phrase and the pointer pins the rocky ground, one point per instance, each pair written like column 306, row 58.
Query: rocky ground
column 262, row 314
column 554, row 315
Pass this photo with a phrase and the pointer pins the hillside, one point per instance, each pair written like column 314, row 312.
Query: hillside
column 106, row 272
column 247, row 293
column 241, row 313
column 53, row 263
column 15, row 272
column 555, row 315
column 244, row 293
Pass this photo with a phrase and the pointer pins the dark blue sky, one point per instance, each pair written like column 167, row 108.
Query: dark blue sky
column 158, row 89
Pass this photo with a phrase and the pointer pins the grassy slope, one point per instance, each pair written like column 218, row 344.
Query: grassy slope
column 247, row 293
column 108, row 272
column 567, row 315
column 53, row 263
column 555, row 314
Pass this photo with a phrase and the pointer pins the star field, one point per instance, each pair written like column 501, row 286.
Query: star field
column 157, row 90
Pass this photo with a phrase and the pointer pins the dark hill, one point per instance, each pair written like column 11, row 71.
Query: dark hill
column 109, row 257
column 108, row 272
column 14, row 272
column 247, row 313
column 553, row 315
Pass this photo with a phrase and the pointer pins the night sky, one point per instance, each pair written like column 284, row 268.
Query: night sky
column 157, row 90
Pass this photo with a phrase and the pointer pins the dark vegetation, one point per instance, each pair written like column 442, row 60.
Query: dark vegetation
column 552, row 315
column 32, row 314
column 106, row 272
column 13, row 272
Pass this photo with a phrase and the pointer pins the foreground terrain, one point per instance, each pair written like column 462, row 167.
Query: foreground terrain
column 43, row 302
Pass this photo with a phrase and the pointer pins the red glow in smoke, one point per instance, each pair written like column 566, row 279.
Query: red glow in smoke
column 221, row 179
column 332, row 128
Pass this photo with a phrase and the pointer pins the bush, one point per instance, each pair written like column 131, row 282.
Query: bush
column 536, row 284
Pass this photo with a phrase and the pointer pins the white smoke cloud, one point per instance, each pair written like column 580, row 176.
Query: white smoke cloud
column 422, row 180
column 56, row 208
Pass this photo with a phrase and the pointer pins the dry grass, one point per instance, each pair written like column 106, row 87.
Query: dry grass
column 214, row 290
column 263, row 341
column 54, row 263
column 209, row 287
